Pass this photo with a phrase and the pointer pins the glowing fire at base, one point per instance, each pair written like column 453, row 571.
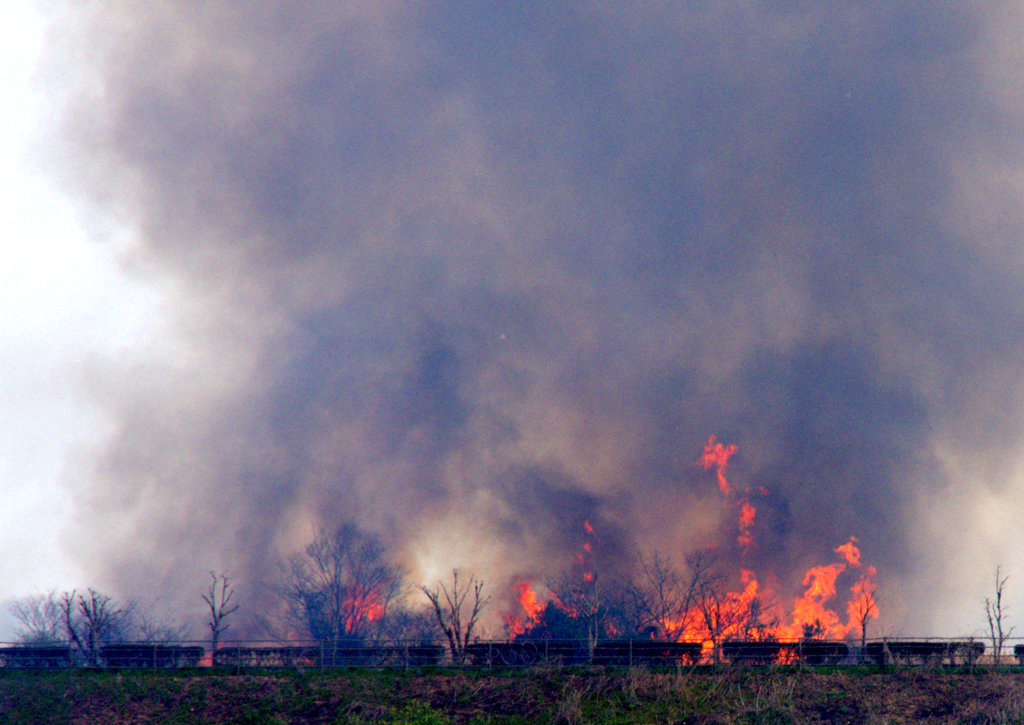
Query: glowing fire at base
column 714, row 454
column 532, row 606
column 811, row 616
column 359, row 607
column 720, row 616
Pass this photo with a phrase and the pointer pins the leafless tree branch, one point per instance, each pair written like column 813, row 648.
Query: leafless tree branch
column 996, row 615
column 219, row 599
column 449, row 613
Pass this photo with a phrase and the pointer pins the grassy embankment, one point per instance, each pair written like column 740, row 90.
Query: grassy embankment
column 781, row 695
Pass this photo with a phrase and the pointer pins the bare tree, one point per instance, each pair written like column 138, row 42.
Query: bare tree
column 449, row 613
column 141, row 624
column 753, row 625
column 712, row 600
column 581, row 609
column 665, row 599
column 726, row 615
column 863, row 607
column 997, row 616
column 40, row 618
column 88, row 620
column 218, row 598
column 720, row 610
column 341, row 586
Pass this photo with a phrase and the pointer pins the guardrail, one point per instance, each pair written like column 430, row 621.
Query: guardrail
column 239, row 655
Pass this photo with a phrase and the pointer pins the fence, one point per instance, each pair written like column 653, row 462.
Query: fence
column 246, row 655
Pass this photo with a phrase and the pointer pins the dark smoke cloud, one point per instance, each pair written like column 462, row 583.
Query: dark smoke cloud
column 471, row 274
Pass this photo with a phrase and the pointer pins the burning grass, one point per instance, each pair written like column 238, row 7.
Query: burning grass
column 535, row 695
column 707, row 603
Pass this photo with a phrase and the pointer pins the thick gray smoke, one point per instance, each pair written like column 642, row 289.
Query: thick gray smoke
column 472, row 273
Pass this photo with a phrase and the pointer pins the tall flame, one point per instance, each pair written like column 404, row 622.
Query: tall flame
column 714, row 454
column 361, row 606
column 751, row 612
column 738, row 614
column 585, row 556
column 745, row 538
column 531, row 605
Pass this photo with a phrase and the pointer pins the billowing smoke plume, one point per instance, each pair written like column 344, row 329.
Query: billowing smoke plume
column 473, row 273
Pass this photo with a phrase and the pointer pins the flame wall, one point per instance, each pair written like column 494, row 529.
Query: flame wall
column 473, row 273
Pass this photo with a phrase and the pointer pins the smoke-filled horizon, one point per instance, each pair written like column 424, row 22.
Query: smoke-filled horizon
column 471, row 274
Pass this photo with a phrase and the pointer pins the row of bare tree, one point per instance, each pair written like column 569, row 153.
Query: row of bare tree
column 342, row 589
column 86, row 621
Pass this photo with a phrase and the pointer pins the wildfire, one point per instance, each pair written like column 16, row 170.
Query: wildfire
column 850, row 552
column 532, row 606
column 717, row 455
column 811, row 615
column 750, row 612
column 746, row 536
column 587, row 574
column 359, row 606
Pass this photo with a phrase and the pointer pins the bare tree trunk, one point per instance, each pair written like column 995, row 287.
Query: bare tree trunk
column 449, row 612
column 996, row 616
column 218, row 597
column 95, row 617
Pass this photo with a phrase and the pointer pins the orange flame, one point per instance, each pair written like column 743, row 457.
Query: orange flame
column 531, row 605
column 850, row 552
column 749, row 612
column 715, row 454
column 811, row 614
column 583, row 558
column 360, row 606
column 746, row 536
column 529, row 600
column 747, row 514
column 734, row 615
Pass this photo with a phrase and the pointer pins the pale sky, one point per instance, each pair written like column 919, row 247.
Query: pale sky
column 63, row 300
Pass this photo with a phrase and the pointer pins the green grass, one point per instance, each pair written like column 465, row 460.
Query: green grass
column 539, row 695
